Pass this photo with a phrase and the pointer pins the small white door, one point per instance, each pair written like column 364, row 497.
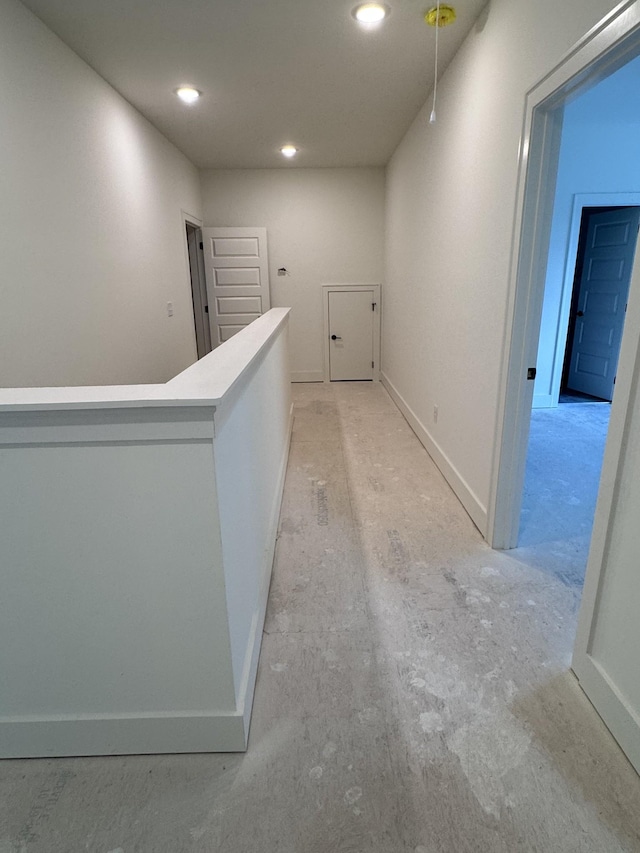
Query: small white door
column 602, row 300
column 351, row 318
column 237, row 273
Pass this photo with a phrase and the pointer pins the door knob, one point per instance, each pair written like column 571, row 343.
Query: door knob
column 580, row 314
column 336, row 338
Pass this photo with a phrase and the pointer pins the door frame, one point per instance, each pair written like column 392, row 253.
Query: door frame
column 580, row 201
column 336, row 288
column 189, row 219
column 199, row 296
column 603, row 50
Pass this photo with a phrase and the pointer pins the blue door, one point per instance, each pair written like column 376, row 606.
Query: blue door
column 602, row 301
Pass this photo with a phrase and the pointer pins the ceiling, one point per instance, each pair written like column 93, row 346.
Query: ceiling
column 271, row 72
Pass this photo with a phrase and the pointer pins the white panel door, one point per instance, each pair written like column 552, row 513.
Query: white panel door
column 351, row 318
column 237, row 272
column 602, row 301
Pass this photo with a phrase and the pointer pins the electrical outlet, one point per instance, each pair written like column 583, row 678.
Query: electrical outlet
column 435, row 414
column 169, row 309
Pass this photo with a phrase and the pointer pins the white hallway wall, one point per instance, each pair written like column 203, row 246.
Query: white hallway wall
column 91, row 240
column 325, row 226
column 598, row 154
column 450, row 206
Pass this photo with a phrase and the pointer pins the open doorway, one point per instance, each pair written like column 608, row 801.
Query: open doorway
column 578, row 146
column 605, row 653
column 567, row 441
column 199, row 296
column 602, row 276
column 591, row 251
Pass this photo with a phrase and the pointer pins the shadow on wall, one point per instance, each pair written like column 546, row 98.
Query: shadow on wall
column 483, row 17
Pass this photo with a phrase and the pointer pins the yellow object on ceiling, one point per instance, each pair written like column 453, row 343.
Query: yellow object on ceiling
column 441, row 16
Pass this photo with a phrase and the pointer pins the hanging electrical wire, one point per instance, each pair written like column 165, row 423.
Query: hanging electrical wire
column 439, row 16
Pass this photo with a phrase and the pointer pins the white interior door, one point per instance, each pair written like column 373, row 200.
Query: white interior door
column 237, row 273
column 351, row 318
column 602, row 300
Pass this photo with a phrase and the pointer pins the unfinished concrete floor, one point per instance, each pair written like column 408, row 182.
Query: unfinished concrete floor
column 564, row 461
column 413, row 693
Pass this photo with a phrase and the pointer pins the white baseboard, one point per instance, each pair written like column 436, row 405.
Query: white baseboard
column 307, row 376
column 465, row 495
column 250, row 669
column 620, row 717
column 33, row 737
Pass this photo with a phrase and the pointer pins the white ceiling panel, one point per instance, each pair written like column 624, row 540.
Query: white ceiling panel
column 271, row 72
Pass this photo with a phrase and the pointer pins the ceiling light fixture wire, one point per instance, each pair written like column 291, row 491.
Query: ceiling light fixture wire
column 432, row 117
column 439, row 16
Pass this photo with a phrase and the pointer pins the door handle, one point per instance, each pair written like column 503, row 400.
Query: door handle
column 336, row 338
column 580, row 314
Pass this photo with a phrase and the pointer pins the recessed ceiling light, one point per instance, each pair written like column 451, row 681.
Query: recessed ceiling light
column 370, row 13
column 289, row 150
column 188, row 94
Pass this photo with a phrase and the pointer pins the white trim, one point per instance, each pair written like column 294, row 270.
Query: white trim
column 609, row 44
column 465, row 494
column 40, row 737
column 332, row 288
column 619, row 716
column 595, row 683
column 191, row 219
column 530, row 240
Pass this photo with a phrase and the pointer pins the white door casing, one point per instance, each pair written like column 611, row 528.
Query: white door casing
column 605, row 657
column 605, row 660
column 604, row 287
column 352, row 332
column 603, row 49
column 237, row 273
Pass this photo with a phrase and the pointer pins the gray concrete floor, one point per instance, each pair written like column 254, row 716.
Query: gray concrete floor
column 413, row 694
column 564, row 461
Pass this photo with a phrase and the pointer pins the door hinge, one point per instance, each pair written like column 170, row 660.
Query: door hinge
column 206, row 309
column 201, row 245
column 531, row 373
column 372, row 364
column 373, row 306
